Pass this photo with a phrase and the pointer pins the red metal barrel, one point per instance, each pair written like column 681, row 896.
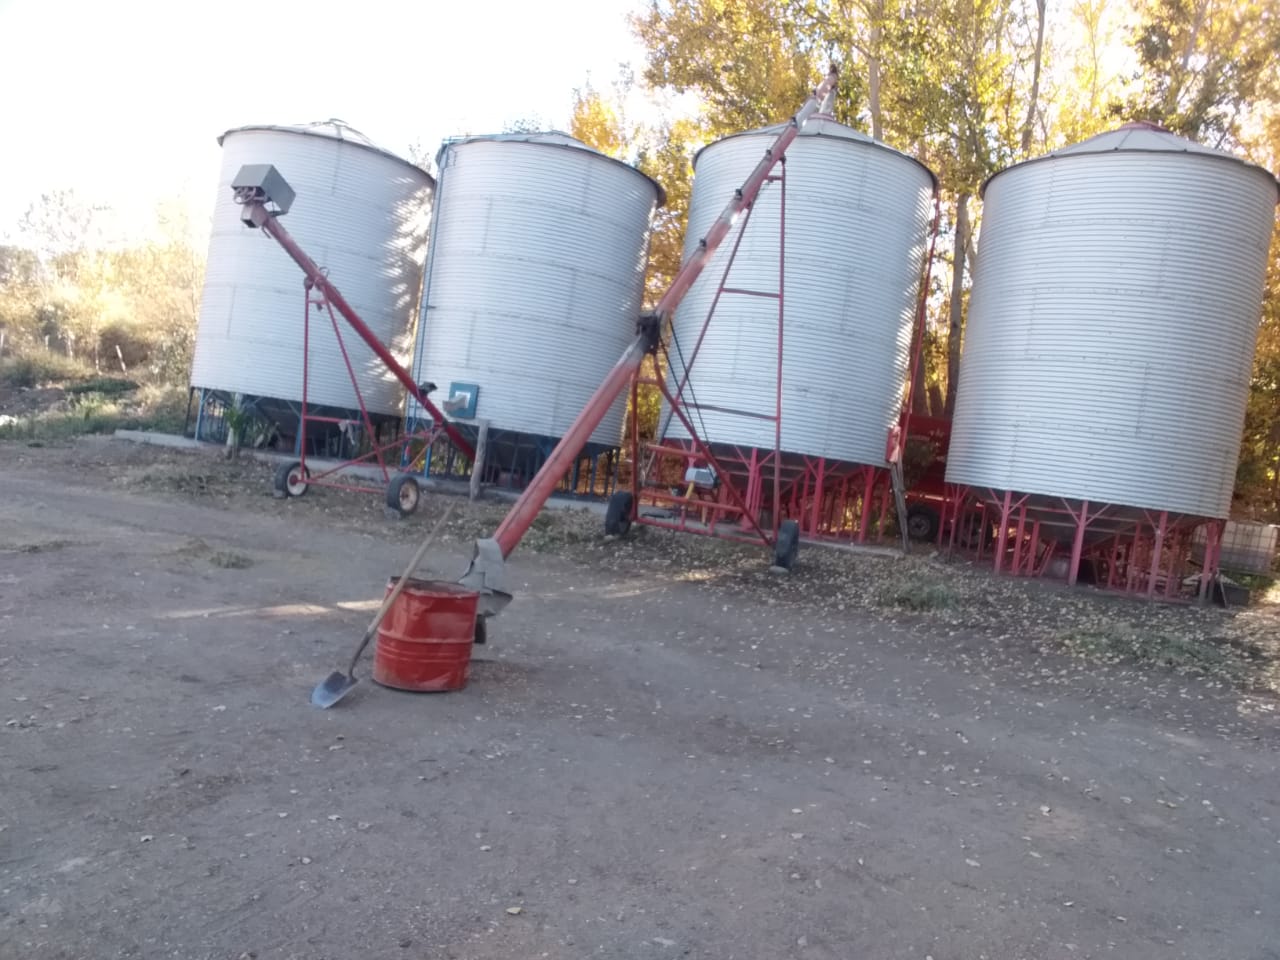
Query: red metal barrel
column 424, row 642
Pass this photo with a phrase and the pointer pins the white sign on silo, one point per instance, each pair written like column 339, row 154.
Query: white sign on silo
column 858, row 217
column 1112, row 323
column 535, row 277
column 360, row 212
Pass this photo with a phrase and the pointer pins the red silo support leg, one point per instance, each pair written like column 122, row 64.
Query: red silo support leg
column 1209, row 569
column 1016, row 569
column 1077, row 546
column 751, row 495
column 1002, row 533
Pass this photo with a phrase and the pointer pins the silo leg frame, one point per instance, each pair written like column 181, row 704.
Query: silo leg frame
column 486, row 572
column 399, row 499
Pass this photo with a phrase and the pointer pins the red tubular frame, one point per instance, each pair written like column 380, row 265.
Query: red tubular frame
column 1136, row 551
column 535, row 495
column 744, row 506
column 318, row 300
column 262, row 217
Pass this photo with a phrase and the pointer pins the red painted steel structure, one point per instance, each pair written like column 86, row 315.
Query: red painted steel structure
column 258, row 214
column 320, row 293
column 663, row 463
column 1126, row 549
column 317, row 299
column 829, row 499
column 648, row 340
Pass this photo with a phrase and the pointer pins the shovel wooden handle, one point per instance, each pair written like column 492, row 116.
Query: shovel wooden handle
column 399, row 587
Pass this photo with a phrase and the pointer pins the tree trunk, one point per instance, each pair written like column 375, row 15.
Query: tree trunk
column 873, row 68
column 1028, row 127
column 957, row 301
column 919, row 390
column 1178, row 84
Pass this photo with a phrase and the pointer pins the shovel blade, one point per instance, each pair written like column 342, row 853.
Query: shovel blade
column 331, row 689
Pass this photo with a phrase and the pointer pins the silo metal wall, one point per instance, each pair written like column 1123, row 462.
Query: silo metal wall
column 858, row 217
column 1111, row 329
column 535, row 279
column 359, row 212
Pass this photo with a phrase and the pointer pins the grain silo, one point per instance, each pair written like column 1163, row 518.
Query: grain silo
column 360, row 212
column 1109, row 348
column 533, row 287
column 855, row 231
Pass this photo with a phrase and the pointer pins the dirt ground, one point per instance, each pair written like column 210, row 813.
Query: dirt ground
column 663, row 751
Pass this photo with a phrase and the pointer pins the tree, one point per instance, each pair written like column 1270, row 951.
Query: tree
column 1258, row 472
column 532, row 124
column 66, row 235
column 980, row 93
column 598, row 122
column 1083, row 74
column 1033, row 101
column 99, row 300
column 19, row 280
column 162, row 282
column 1203, row 63
column 744, row 58
column 663, row 153
column 953, row 82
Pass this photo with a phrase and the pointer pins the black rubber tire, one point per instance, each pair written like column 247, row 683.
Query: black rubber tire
column 922, row 523
column 617, row 516
column 290, row 481
column 788, row 545
column 482, row 630
column 403, row 494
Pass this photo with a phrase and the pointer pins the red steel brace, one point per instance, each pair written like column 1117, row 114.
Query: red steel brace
column 521, row 516
column 262, row 218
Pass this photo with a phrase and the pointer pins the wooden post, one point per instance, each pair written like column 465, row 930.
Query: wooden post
column 900, row 501
column 477, row 465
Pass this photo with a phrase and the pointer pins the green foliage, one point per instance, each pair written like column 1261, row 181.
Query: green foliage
column 915, row 592
column 1204, row 63
column 128, row 309
column 1258, row 475
column 1084, row 82
column 743, row 57
column 158, row 408
column 230, row 560
column 248, row 428
column 956, row 97
column 1124, row 642
column 105, row 386
column 40, row 368
column 598, row 122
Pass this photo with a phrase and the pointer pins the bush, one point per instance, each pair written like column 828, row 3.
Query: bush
column 135, row 346
column 162, row 409
column 915, row 592
column 39, row 368
column 107, row 386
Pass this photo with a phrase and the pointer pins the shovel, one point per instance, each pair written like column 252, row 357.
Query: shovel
column 337, row 685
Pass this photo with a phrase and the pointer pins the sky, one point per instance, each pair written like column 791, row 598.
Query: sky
column 123, row 100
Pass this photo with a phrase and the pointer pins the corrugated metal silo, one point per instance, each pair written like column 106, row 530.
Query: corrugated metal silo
column 535, row 277
column 361, row 212
column 1112, row 324
column 858, row 217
